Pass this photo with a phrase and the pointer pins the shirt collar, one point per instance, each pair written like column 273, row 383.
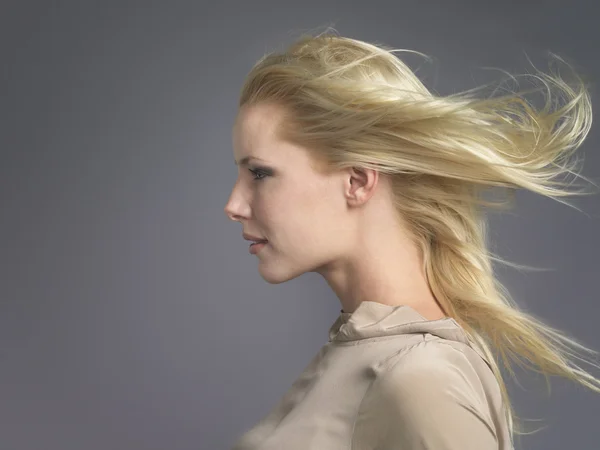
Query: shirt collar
column 373, row 319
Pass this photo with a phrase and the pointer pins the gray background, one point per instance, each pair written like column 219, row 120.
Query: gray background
column 131, row 314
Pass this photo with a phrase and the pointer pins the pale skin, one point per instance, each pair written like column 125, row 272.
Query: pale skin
column 341, row 225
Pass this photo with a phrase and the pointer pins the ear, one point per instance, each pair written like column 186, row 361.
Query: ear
column 360, row 185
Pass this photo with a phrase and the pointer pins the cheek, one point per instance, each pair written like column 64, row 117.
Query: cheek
column 302, row 217
column 318, row 214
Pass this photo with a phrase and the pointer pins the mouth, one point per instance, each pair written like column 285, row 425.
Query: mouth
column 256, row 247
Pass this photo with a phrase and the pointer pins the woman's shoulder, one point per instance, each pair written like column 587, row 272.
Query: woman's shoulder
column 435, row 391
column 434, row 364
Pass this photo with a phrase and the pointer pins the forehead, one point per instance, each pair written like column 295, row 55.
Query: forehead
column 256, row 124
column 255, row 136
column 254, row 132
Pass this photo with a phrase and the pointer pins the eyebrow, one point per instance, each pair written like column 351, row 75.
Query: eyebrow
column 244, row 161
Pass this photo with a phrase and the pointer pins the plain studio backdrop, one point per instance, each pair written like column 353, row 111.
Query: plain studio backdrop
column 131, row 314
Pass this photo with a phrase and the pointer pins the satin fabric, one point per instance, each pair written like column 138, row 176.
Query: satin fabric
column 388, row 379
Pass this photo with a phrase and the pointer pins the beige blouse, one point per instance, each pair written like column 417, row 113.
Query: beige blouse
column 388, row 379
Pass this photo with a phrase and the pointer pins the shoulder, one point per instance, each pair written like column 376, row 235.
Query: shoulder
column 432, row 363
column 433, row 393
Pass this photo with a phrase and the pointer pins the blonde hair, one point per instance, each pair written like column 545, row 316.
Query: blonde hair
column 352, row 103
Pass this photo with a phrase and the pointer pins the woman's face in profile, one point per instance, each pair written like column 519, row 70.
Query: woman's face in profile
column 278, row 196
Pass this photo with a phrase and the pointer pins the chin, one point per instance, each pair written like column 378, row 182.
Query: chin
column 277, row 276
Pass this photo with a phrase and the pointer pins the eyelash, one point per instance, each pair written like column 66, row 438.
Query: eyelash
column 259, row 172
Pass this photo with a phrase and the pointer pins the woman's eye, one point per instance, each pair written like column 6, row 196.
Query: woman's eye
column 257, row 173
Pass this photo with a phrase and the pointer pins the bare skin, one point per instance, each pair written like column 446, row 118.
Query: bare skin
column 340, row 225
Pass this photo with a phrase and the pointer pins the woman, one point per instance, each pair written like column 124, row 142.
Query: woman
column 351, row 168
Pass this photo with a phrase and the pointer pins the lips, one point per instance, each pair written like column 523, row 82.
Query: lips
column 256, row 239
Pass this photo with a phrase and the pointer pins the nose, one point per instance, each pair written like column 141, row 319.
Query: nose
column 238, row 207
column 232, row 207
column 230, row 212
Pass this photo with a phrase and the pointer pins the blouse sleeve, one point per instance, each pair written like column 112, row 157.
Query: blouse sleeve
column 428, row 398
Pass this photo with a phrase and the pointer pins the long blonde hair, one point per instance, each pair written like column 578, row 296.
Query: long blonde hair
column 352, row 103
